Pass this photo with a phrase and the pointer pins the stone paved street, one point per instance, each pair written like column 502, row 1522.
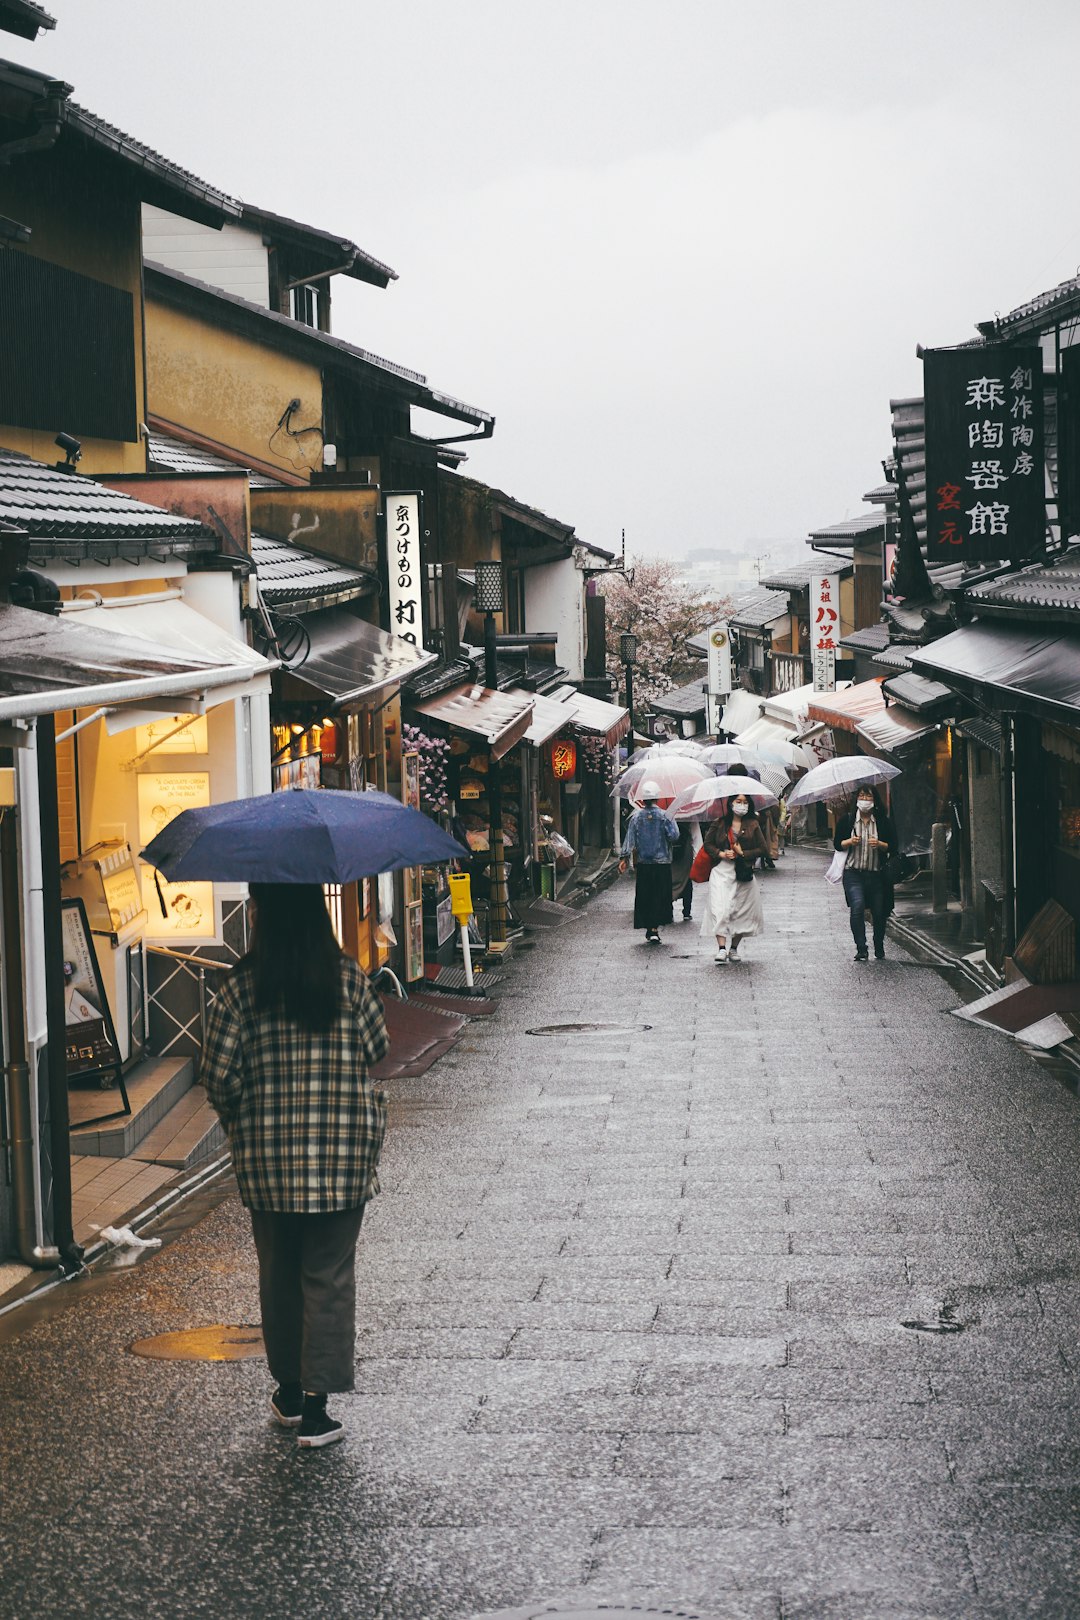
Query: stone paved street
column 632, row 1307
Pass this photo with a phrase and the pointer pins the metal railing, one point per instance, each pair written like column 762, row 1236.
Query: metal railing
column 179, row 1026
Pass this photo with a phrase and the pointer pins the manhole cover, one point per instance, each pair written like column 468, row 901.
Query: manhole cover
column 600, row 1611
column 944, row 1320
column 215, row 1343
column 588, row 1029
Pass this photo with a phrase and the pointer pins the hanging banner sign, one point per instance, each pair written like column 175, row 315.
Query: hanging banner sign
column 985, row 483
column 824, row 629
column 404, row 567
column 719, row 643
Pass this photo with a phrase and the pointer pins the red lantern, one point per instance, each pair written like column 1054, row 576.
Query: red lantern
column 563, row 760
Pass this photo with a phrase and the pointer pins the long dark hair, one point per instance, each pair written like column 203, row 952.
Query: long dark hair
column 295, row 957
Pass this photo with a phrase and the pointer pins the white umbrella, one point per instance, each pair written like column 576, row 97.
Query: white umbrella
column 730, row 754
column 839, row 776
column 791, row 754
column 671, row 775
column 773, row 776
column 680, row 747
column 704, row 798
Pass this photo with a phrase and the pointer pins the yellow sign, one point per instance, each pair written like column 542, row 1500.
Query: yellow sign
column 461, row 895
column 189, row 907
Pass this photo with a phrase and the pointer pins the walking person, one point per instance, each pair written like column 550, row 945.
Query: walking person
column 650, row 837
column 289, row 1043
column 869, row 836
column 733, row 898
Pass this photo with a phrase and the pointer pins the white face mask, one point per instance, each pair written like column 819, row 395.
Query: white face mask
column 866, row 807
column 740, row 807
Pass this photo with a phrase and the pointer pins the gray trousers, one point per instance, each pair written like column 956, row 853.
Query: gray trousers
column 307, row 1289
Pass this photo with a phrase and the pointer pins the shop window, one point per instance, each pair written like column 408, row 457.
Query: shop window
column 307, row 306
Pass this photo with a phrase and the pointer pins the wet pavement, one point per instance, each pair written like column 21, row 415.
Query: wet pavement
column 755, row 1295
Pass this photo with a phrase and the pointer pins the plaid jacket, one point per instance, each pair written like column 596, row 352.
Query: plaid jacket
column 304, row 1124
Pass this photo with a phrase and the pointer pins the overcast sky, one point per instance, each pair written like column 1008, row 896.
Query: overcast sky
column 683, row 250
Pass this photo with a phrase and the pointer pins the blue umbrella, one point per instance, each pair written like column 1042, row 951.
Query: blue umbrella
column 299, row 836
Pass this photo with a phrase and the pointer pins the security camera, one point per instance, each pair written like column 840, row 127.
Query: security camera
column 72, row 449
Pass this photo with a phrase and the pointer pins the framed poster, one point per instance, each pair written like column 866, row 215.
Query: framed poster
column 174, row 911
column 91, row 1047
column 410, row 779
column 414, row 942
column 174, row 734
column 414, row 887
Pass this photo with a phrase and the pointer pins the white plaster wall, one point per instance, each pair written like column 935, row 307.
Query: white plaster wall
column 555, row 600
column 232, row 258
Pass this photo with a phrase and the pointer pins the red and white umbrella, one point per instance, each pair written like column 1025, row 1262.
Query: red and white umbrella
column 671, row 776
column 704, row 800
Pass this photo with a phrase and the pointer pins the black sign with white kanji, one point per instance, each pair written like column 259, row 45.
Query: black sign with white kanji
column 985, row 480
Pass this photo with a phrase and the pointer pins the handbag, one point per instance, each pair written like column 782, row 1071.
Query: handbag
column 834, row 872
column 744, row 869
column 702, row 865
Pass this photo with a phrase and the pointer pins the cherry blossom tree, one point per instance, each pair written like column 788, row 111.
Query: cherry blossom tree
column 654, row 601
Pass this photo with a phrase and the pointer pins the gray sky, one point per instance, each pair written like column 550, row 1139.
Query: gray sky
column 683, row 250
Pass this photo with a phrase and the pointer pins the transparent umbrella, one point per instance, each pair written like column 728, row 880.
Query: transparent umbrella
column 680, row 747
column 731, row 754
column 671, row 775
column 703, row 799
column 839, row 776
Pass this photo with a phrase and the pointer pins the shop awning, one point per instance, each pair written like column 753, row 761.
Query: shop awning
column 844, row 710
column 607, row 720
column 893, row 730
column 740, row 710
column 1022, row 668
column 350, row 659
column 48, row 664
column 548, row 717
column 499, row 719
column 178, row 630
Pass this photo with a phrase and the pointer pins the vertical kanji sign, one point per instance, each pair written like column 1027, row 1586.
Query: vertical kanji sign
column 404, row 567
column 824, row 628
column 985, row 484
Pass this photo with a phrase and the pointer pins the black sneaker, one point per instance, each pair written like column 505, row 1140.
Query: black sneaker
column 879, row 953
column 862, row 955
column 652, row 937
column 287, row 1405
column 316, row 1429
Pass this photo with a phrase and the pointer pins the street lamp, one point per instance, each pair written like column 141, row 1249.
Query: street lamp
column 627, row 656
column 488, row 599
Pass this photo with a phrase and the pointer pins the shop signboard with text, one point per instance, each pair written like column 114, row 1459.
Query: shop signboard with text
column 985, row 483
column 405, row 568
column 718, row 640
column 824, row 629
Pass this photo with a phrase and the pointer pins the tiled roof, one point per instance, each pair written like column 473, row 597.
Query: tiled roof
column 759, row 608
column 893, row 657
column 64, row 508
column 88, row 126
column 24, row 18
column 880, row 495
column 348, row 259
column 437, row 678
column 1045, row 309
column 169, row 454
column 851, row 529
column 871, row 638
column 292, row 576
column 1046, row 592
column 682, row 700
column 187, row 291
column 792, row 579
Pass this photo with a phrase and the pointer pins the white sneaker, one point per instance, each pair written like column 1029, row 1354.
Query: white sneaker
column 721, row 954
column 733, row 955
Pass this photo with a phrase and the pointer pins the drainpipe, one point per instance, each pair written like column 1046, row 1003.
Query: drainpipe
column 1008, row 819
column 56, row 1038
column 50, row 123
column 20, row 1093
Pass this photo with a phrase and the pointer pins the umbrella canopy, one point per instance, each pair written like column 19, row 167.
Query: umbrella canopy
column 684, row 746
column 671, row 774
column 730, row 754
column 837, row 776
column 705, row 798
column 301, row 835
column 791, row 754
column 773, row 776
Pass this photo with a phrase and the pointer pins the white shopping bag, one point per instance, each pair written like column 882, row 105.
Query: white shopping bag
column 834, row 872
